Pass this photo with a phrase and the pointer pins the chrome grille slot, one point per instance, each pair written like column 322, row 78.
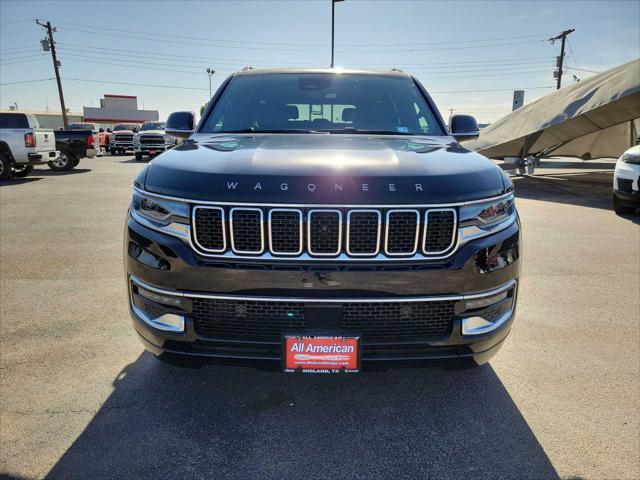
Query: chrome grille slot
column 246, row 230
column 439, row 231
column 402, row 232
column 324, row 232
column 285, row 231
column 208, row 229
column 363, row 232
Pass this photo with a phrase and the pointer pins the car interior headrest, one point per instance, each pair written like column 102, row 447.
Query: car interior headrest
column 292, row 112
column 348, row 114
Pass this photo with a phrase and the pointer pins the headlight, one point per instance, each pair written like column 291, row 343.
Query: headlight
column 486, row 218
column 631, row 158
column 168, row 216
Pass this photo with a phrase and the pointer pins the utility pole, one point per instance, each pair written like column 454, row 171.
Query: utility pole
column 333, row 29
column 560, row 60
column 56, row 64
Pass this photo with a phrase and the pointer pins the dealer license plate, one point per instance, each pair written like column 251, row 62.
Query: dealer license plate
column 321, row 353
column 152, row 152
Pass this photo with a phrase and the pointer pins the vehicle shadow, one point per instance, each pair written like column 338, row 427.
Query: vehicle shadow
column 223, row 422
column 133, row 160
column 18, row 181
column 54, row 173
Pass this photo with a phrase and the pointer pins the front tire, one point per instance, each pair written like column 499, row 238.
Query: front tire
column 138, row 157
column 64, row 162
column 21, row 171
column 113, row 152
column 619, row 207
column 5, row 167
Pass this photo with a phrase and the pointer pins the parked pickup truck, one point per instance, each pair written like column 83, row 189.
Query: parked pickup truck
column 322, row 221
column 73, row 146
column 152, row 140
column 24, row 144
column 97, row 135
column 121, row 139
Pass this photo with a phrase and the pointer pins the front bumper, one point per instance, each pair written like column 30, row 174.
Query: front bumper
column 146, row 150
column 121, row 146
column 160, row 262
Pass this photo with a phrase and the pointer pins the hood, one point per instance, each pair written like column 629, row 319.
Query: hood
column 323, row 169
column 152, row 132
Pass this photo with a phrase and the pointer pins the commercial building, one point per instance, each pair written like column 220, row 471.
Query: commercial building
column 118, row 109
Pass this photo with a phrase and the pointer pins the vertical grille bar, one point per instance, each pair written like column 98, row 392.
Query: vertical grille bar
column 363, row 232
column 285, row 231
column 439, row 231
column 246, row 230
column 402, row 232
column 209, row 229
column 324, row 232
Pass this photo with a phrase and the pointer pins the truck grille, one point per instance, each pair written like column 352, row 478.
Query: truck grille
column 123, row 137
column 151, row 140
column 358, row 232
column 247, row 320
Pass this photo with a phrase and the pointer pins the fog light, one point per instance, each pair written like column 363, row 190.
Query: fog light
column 158, row 310
column 158, row 298
column 476, row 303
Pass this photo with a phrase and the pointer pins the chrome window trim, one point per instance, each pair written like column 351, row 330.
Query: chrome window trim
column 324, row 210
column 195, row 235
column 364, row 210
column 426, row 224
column 231, row 236
column 427, row 298
column 323, row 205
column 386, row 232
column 301, row 230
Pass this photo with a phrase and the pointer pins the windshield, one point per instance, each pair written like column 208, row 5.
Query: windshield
column 153, row 126
column 325, row 102
column 125, row 126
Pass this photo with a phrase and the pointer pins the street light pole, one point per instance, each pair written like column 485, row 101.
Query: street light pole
column 333, row 15
column 210, row 72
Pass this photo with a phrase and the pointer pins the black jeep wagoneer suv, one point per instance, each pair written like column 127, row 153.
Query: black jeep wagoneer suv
column 322, row 221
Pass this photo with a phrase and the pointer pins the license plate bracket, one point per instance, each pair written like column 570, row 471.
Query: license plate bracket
column 321, row 352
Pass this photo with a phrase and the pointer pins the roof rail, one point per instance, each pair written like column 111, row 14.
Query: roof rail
column 394, row 69
column 248, row 67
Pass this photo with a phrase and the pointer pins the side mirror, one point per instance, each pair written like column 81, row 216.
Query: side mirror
column 101, row 130
column 135, row 130
column 181, row 124
column 108, row 130
column 463, row 127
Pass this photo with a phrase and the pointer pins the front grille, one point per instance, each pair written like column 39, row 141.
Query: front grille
column 402, row 232
column 151, row 140
column 208, row 223
column 439, row 230
column 247, row 320
column 285, row 226
column 324, row 232
column 246, row 230
column 123, row 137
column 363, row 237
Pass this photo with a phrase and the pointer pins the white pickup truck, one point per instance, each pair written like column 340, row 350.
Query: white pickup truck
column 24, row 144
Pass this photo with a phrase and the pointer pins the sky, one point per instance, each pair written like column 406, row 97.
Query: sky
column 469, row 55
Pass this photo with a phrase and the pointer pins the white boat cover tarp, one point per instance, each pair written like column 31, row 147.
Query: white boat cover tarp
column 591, row 106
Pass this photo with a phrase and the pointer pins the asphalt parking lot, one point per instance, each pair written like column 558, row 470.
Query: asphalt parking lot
column 80, row 399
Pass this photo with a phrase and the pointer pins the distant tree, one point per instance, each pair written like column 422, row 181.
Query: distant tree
column 202, row 108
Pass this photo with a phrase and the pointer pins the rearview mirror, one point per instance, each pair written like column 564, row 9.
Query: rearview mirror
column 463, row 127
column 181, row 124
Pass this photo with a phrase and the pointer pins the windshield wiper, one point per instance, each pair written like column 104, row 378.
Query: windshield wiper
column 270, row 130
column 367, row 132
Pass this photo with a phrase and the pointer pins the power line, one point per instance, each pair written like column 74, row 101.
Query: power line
column 28, row 81
column 133, row 84
column 491, row 90
column 16, row 21
column 538, row 35
column 184, row 37
column 23, row 61
column 582, row 70
column 443, row 48
column 166, row 40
